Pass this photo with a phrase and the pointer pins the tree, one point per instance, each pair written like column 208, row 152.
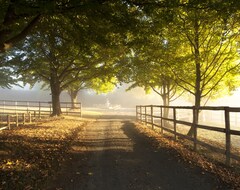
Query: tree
column 99, row 84
column 152, row 49
column 18, row 17
column 44, row 57
column 90, row 53
column 73, row 90
column 153, row 74
column 202, row 55
column 7, row 78
column 210, row 52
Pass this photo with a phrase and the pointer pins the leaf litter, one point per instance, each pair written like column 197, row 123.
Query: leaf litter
column 226, row 173
column 32, row 155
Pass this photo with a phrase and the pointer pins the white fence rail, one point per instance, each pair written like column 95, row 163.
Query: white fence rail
column 184, row 116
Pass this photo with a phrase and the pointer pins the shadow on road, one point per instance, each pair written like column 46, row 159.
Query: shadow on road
column 113, row 155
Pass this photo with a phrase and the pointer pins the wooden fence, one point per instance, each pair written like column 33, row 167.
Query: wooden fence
column 153, row 115
column 7, row 120
column 39, row 109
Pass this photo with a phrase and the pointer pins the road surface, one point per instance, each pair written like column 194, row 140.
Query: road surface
column 113, row 155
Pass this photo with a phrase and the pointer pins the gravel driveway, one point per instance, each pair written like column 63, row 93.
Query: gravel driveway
column 113, row 155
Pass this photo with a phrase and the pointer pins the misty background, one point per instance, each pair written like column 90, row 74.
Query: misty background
column 119, row 97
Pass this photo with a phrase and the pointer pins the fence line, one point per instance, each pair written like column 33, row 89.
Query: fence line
column 8, row 119
column 151, row 114
column 39, row 108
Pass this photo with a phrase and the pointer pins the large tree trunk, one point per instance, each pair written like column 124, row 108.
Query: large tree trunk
column 56, row 91
column 165, row 98
column 198, row 93
column 73, row 95
column 56, row 104
column 195, row 113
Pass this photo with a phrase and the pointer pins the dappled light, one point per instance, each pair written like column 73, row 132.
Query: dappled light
column 31, row 154
column 124, row 94
column 103, row 139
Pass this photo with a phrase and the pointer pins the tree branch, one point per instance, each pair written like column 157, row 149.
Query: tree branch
column 22, row 34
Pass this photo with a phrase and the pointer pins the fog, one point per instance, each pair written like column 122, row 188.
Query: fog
column 119, row 97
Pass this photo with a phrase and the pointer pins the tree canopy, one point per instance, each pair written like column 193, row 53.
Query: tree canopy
column 181, row 43
column 65, row 53
column 18, row 17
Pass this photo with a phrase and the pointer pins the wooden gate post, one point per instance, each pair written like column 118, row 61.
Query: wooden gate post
column 145, row 109
column 195, row 112
column 141, row 114
column 228, row 135
column 137, row 113
column 175, row 123
column 161, row 120
column 30, row 117
column 152, row 116
column 24, row 118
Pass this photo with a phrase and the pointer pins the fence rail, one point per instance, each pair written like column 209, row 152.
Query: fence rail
column 153, row 115
column 38, row 108
column 7, row 120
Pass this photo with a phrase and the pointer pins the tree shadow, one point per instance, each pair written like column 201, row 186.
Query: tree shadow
column 29, row 162
column 129, row 161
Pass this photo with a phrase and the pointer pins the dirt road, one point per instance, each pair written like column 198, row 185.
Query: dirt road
column 113, row 155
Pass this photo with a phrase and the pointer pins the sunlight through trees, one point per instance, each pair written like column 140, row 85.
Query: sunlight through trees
column 170, row 47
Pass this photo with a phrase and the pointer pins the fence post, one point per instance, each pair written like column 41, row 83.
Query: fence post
column 24, row 118
column 30, row 117
column 195, row 112
column 39, row 109
column 152, row 116
column 161, row 120
column 228, row 135
column 141, row 114
column 137, row 113
column 8, row 121
column 17, row 120
column 145, row 109
column 175, row 123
